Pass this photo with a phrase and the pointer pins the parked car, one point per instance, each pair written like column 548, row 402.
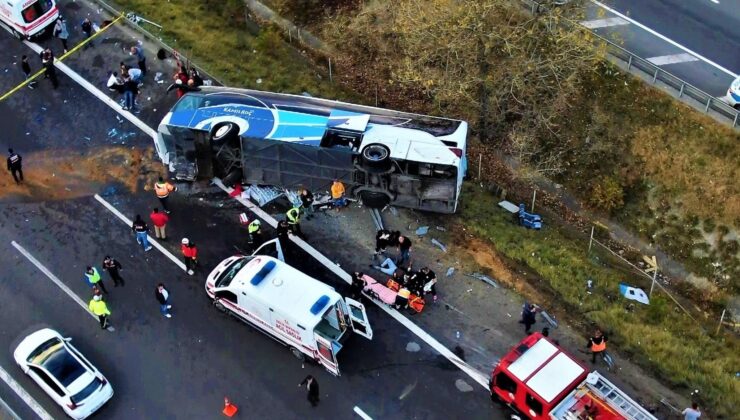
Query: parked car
column 733, row 94
column 63, row 372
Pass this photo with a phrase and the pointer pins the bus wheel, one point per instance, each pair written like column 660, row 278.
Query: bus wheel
column 224, row 132
column 373, row 199
column 220, row 306
column 297, row 353
column 376, row 158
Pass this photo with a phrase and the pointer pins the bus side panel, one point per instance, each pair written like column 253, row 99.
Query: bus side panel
column 291, row 165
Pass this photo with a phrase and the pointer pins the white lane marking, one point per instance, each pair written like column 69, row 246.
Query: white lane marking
column 53, row 278
column 129, row 222
column 603, row 23
column 25, row 396
column 361, row 413
column 477, row 376
column 6, row 408
column 672, row 59
column 664, row 38
column 98, row 94
column 715, row 1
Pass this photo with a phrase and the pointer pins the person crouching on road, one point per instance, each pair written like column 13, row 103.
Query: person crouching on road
column 98, row 307
column 190, row 254
column 94, row 279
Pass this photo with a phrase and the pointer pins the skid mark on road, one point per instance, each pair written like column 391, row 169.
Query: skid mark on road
column 604, row 23
column 672, row 59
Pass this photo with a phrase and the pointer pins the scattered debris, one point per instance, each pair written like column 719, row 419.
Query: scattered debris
column 407, row 390
column 441, row 229
column 450, row 271
column 422, row 230
column 633, row 293
column 463, row 386
column 550, row 319
column 158, row 76
column 413, row 347
column 112, row 132
column 484, row 278
column 263, row 195
column 393, row 210
column 439, row 245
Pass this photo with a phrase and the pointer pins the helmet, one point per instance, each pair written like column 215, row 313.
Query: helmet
column 96, row 297
column 257, row 222
column 185, row 241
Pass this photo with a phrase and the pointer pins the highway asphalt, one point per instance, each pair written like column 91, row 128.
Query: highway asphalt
column 181, row 367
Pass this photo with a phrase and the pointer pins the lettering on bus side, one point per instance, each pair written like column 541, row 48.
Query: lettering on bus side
column 247, row 112
column 284, row 327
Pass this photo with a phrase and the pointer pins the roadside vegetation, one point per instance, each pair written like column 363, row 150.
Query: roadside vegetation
column 543, row 96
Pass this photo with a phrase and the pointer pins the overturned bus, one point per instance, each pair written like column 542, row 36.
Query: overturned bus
column 290, row 141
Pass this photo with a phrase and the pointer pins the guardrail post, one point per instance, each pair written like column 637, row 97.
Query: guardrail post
column 655, row 76
column 629, row 63
column 680, row 92
column 709, row 102
column 734, row 122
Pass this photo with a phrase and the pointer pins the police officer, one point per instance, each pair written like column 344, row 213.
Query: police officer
column 98, row 307
column 294, row 221
column 255, row 234
column 15, row 166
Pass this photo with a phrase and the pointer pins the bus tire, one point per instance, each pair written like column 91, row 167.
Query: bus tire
column 220, row 306
column 224, row 132
column 232, row 177
column 374, row 199
column 297, row 353
column 376, row 158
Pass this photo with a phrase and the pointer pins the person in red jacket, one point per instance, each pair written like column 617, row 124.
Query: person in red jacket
column 190, row 253
column 159, row 220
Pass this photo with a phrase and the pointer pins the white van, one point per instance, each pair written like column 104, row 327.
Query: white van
column 28, row 18
column 295, row 309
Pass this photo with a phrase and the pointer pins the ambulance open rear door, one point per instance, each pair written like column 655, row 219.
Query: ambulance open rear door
column 327, row 353
column 358, row 318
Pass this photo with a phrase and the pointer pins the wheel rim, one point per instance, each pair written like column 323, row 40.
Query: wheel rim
column 375, row 154
column 222, row 130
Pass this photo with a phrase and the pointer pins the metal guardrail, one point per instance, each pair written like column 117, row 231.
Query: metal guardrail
column 683, row 88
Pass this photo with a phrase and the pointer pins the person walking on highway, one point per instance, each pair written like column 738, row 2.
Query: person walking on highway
column 61, row 32
column 141, row 230
column 307, row 203
column 404, row 251
column 163, row 189
column 139, row 53
column 15, row 166
column 94, row 279
column 692, row 413
column 163, row 297
column 190, row 254
column 529, row 318
column 87, row 29
column 26, row 69
column 312, row 386
column 112, row 266
column 597, row 344
column 294, row 221
column 98, row 307
column 159, row 220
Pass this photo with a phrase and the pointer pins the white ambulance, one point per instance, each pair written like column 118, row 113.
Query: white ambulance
column 295, row 309
column 28, row 18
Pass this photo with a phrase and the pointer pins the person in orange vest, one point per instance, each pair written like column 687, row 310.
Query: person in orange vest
column 190, row 253
column 337, row 194
column 163, row 189
column 597, row 344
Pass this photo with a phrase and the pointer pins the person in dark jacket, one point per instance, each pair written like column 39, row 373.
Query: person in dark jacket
column 283, row 229
column 163, row 297
column 130, row 90
column 597, row 344
column 141, row 230
column 429, row 282
column 112, row 266
column 382, row 240
column 312, row 385
column 528, row 316
column 307, row 203
column 50, row 72
column 15, row 166
column 404, row 251
column 358, row 283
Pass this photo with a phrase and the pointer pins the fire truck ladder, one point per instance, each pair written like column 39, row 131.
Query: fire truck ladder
column 619, row 399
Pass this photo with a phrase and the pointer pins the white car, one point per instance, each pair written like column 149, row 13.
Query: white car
column 60, row 370
column 733, row 94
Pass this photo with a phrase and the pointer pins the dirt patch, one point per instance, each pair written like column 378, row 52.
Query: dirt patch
column 61, row 175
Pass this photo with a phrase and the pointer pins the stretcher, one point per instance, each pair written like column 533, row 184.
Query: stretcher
column 379, row 290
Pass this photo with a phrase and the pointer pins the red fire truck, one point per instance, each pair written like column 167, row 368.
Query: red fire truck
column 540, row 381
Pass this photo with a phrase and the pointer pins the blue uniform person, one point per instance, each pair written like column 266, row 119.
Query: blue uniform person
column 15, row 166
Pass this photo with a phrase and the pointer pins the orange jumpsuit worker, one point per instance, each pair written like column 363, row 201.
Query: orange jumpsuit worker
column 337, row 194
column 163, row 189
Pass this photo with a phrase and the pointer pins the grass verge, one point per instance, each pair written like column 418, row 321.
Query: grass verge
column 657, row 336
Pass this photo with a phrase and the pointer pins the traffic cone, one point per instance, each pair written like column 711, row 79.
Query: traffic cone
column 229, row 408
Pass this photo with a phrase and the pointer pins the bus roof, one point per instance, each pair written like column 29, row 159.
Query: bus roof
column 304, row 119
column 286, row 290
